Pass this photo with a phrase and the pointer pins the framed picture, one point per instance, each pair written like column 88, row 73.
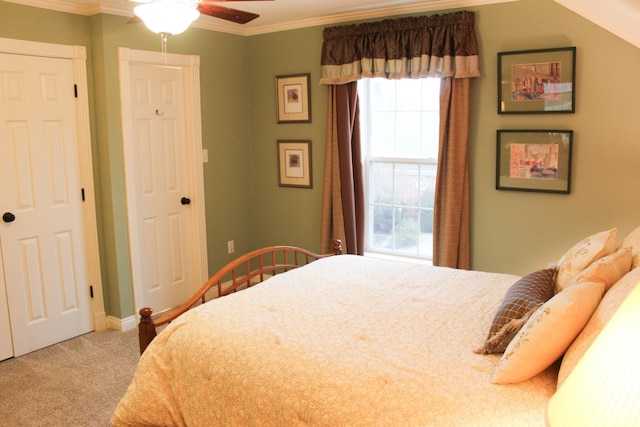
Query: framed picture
column 294, row 164
column 537, row 81
column 293, row 97
column 534, row 160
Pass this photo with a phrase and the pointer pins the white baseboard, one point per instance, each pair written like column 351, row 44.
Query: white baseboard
column 123, row 325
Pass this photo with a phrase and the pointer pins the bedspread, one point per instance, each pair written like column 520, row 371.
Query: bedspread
column 343, row 341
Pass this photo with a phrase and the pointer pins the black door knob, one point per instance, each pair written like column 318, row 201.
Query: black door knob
column 8, row 217
column 185, row 201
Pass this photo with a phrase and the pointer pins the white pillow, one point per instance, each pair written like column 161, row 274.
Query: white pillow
column 633, row 241
column 584, row 253
column 608, row 269
column 548, row 333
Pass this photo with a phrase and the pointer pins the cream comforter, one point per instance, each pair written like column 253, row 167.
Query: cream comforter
column 343, row 341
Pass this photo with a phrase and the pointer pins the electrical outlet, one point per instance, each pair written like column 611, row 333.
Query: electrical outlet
column 230, row 247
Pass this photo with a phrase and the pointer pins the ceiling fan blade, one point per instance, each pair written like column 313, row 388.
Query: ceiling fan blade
column 233, row 15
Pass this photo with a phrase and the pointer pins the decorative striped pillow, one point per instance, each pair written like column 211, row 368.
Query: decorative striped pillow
column 520, row 301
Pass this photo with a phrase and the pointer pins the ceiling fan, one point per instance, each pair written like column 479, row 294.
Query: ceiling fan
column 170, row 17
column 207, row 7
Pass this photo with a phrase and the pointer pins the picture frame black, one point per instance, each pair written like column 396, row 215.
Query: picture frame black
column 537, row 81
column 534, row 160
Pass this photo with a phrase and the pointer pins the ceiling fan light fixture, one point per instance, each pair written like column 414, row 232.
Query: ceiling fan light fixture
column 168, row 16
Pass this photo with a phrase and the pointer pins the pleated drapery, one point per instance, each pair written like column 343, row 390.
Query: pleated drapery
column 415, row 47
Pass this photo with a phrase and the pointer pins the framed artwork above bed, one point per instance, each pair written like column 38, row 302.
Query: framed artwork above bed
column 537, row 81
column 534, row 160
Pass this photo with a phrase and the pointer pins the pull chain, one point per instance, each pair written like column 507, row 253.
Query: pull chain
column 163, row 38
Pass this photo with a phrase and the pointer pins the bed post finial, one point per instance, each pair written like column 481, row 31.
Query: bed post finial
column 337, row 247
column 146, row 328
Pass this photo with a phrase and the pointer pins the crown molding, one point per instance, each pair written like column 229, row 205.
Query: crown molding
column 360, row 15
column 213, row 24
column 62, row 6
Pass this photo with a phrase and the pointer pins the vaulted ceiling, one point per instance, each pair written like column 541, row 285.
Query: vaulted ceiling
column 621, row 17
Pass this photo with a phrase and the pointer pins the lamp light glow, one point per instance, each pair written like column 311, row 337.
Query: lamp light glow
column 168, row 16
column 604, row 387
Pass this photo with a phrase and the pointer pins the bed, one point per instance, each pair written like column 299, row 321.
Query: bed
column 352, row 340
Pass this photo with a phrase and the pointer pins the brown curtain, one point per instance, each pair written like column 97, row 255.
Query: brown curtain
column 343, row 193
column 441, row 46
column 451, row 213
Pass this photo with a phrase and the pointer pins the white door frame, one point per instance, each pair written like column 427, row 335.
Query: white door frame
column 78, row 57
column 190, row 64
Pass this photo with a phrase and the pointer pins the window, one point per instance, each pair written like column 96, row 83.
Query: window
column 399, row 122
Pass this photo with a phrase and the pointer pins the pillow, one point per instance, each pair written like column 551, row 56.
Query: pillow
column 584, row 253
column 548, row 333
column 633, row 241
column 609, row 304
column 520, row 301
column 608, row 269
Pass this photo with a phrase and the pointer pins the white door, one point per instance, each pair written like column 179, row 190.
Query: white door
column 163, row 204
column 42, row 240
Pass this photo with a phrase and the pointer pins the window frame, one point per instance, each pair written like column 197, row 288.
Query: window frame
column 367, row 161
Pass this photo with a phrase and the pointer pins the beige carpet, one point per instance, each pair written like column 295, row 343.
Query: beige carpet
column 75, row 383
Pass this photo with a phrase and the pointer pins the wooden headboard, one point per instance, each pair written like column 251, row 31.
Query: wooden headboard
column 241, row 273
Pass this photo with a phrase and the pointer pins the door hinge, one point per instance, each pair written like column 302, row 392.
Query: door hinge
column 91, row 291
column 75, row 90
column 83, row 194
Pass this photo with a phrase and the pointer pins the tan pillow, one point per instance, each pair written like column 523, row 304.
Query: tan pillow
column 633, row 241
column 520, row 301
column 609, row 304
column 584, row 253
column 608, row 269
column 548, row 333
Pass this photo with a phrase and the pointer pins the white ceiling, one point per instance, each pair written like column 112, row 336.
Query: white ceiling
column 276, row 15
column 621, row 17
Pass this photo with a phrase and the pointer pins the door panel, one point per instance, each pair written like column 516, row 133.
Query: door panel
column 6, row 340
column 43, row 249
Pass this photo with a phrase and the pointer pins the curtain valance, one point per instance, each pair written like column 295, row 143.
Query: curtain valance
column 414, row 47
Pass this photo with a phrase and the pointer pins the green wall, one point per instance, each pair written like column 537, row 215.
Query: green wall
column 517, row 232
column 511, row 231
column 285, row 215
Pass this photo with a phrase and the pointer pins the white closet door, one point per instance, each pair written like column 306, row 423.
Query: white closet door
column 42, row 246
